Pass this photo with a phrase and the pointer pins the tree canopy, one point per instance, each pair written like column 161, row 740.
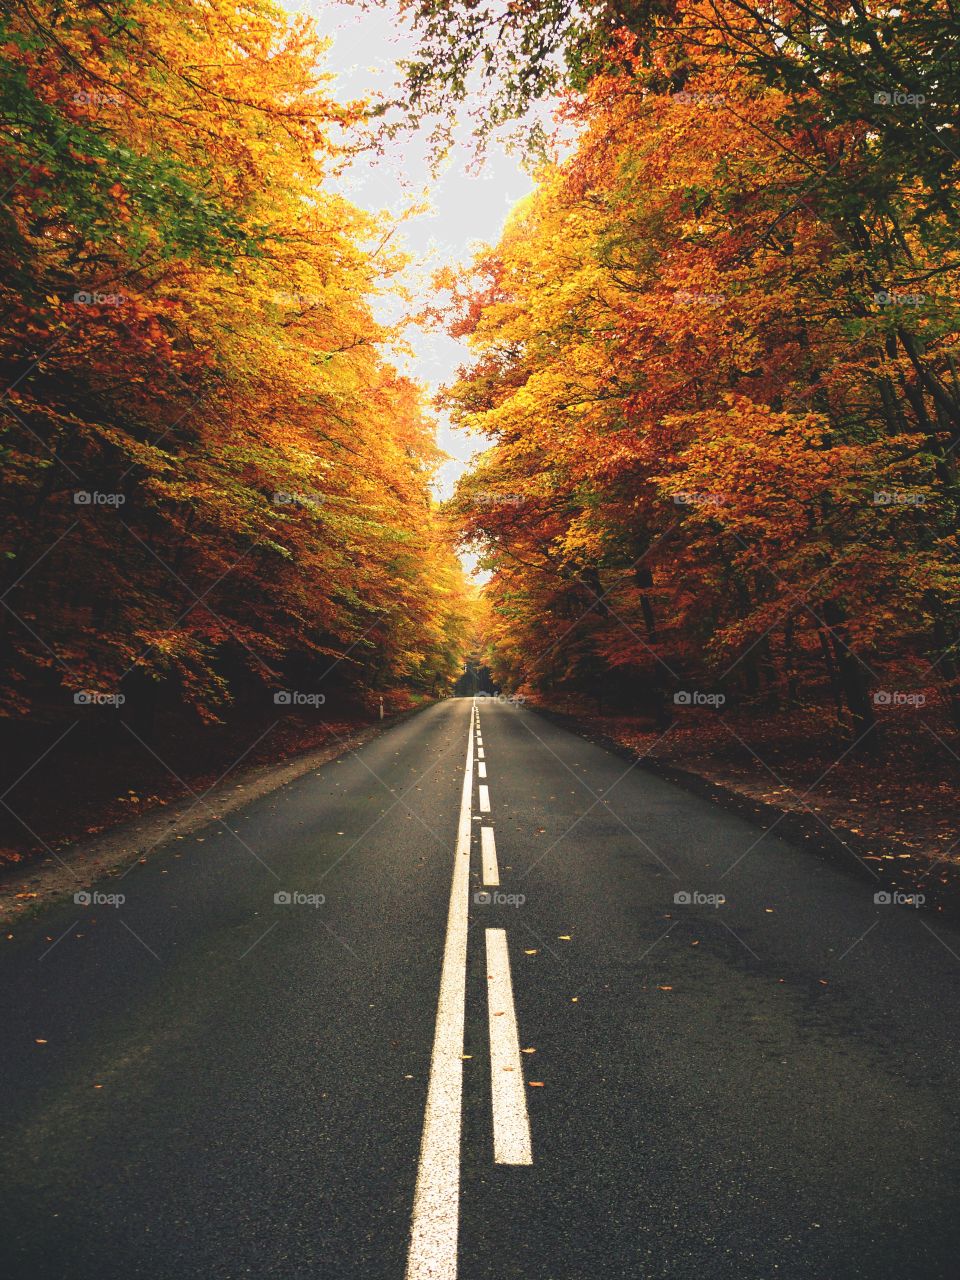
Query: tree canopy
column 213, row 469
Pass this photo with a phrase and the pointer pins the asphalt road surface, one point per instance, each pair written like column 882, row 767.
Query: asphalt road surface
column 498, row 1047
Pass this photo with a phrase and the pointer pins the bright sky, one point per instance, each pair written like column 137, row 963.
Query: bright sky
column 467, row 207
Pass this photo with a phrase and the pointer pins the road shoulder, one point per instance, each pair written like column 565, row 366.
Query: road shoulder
column 892, row 865
column 78, row 864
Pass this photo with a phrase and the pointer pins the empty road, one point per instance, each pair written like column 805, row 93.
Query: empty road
column 483, row 1001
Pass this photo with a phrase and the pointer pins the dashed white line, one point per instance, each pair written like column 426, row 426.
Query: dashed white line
column 488, row 853
column 481, row 770
column 436, row 1203
column 511, row 1124
column 484, row 799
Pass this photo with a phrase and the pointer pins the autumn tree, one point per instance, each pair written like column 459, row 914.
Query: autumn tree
column 213, row 473
column 722, row 441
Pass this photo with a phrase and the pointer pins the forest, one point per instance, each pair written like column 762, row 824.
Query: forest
column 713, row 354
column 217, row 485
column 716, row 353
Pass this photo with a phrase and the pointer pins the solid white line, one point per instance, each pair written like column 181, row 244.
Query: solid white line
column 511, row 1124
column 436, row 1202
column 484, row 799
column 481, row 770
column 488, row 853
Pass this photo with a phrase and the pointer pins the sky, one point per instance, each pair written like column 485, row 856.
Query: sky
column 467, row 206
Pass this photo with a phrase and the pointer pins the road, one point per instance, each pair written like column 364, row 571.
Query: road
column 204, row 1081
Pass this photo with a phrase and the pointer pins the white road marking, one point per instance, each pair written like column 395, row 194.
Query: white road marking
column 481, row 770
column 436, row 1202
column 484, row 799
column 488, row 853
column 511, row 1124
column 479, row 753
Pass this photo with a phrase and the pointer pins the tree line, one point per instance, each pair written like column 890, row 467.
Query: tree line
column 716, row 352
column 215, row 480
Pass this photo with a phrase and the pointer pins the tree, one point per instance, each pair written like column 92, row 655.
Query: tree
column 212, row 469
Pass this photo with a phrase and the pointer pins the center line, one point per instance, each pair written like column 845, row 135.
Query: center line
column 511, row 1124
column 488, row 854
column 436, row 1202
column 484, row 799
column 481, row 769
